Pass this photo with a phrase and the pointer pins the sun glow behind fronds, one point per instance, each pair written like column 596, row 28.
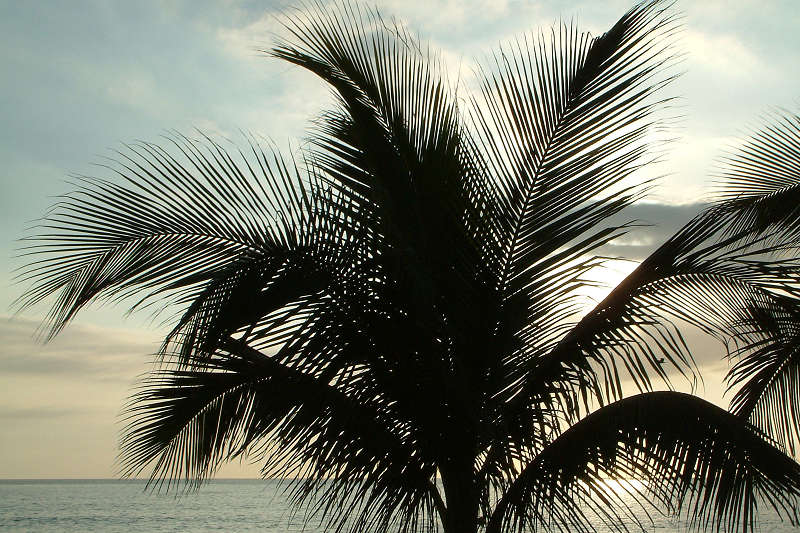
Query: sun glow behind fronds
column 602, row 279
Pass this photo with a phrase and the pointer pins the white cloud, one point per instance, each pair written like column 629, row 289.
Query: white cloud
column 290, row 95
column 211, row 128
column 245, row 41
column 722, row 54
column 689, row 164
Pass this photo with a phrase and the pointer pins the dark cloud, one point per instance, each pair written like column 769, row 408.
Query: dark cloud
column 111, row 354
column 18, row 415
column 658, row 222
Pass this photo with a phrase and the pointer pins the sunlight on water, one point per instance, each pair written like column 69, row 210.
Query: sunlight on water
column 622, row 486
column 652, row 520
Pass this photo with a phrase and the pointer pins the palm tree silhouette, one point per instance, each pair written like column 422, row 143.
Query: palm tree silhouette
column 392, row 319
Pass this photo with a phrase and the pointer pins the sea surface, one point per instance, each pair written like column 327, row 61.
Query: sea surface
column 124, row 506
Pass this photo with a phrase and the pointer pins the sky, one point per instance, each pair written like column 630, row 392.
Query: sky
column 82, row 77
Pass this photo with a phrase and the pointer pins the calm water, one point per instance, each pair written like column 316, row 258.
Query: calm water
column 223, row 505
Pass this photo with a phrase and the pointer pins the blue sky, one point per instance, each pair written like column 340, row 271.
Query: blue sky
column 82, row 77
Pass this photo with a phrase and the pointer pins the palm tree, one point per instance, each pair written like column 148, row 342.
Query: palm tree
column 391, row 319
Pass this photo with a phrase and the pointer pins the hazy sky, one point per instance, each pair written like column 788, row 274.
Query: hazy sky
column 81, row 77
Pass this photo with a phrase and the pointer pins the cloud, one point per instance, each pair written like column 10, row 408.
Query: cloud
column 72, row 392
column 113, row 354
column 659, row 223
column 723, row 54
column 28, row 414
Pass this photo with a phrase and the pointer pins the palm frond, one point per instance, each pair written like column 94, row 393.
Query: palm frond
column 563, row 119
column 332, row 434
column 760, row 180
column 560, row 121
column 716, row 281
column 766, row 375
column 561, row 124
column 179, row 220
column 395, row 147
column 705, row 275
column 693, row 457
column 759, row 188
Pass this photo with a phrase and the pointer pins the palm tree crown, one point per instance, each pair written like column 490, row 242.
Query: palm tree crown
column 393, row 319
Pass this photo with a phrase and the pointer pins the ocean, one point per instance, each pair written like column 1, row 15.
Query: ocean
column 111, row 506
